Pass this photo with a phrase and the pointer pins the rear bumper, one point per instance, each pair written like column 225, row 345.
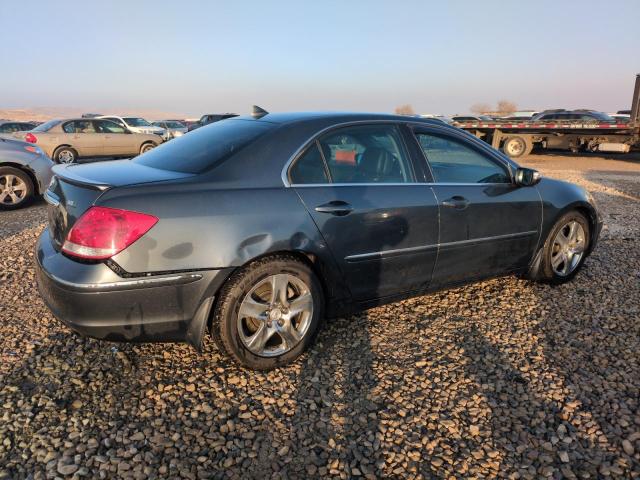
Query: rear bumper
column 94, row 301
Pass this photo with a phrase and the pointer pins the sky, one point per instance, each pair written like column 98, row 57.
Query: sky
column 197, row 57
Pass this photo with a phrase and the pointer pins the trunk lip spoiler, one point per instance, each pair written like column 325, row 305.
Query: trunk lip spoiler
column 63, row 173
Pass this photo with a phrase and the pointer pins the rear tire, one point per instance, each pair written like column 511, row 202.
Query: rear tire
column 515, row 146
column 565, row 249
column 16, row 188
column 65, row 155
column 268, row 312
column 146, row 147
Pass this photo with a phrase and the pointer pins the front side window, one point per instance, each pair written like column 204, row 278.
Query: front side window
column 106, row 126
column 366, row 154
column 452, row 161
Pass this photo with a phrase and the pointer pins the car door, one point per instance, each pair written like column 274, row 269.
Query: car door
column 488, row 224
column 116, row 141
column 359, row 185
column 83, row 137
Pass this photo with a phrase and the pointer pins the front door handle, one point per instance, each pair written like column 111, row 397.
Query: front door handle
column 457, row 202
column 336, row 207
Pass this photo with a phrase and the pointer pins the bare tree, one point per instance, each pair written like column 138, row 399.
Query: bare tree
column 506, row 107
column 405, row 110
column 480, row 108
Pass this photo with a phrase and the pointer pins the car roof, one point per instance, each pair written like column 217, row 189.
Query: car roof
column 335, row 117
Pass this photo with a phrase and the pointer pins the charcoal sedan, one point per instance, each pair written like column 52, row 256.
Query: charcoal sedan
column 255, row 229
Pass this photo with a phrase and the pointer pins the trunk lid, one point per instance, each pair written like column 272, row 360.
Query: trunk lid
column 75, row 188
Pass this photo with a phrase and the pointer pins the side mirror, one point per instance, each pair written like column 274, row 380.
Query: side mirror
column 527, row 177
column 126, row 130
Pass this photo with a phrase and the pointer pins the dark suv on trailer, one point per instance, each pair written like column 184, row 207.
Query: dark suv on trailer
column 572, row 115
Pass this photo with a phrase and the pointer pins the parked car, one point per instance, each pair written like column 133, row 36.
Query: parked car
column 65, row 141
column 8, row 127
column 211, row 118
column 174, row 128
column 472, row 118
column 572, row 115
column 254, row 229
column 25, row 172
column 620, row 117
column 138, row 125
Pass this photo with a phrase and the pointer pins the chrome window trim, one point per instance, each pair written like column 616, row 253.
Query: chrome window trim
column 381, row 184
column 446, row 129
column 399, row 251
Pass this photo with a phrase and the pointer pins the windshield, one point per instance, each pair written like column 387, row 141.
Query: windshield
column 136, row 122
column 174, row 125
column 205, row 147
column 45, row 127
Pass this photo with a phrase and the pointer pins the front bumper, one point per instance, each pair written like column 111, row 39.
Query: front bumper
column 94, row 301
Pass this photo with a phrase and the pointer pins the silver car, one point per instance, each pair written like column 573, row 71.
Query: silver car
column 25, row 171
column 174, row 128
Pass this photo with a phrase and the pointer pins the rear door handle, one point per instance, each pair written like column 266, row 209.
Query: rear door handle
column 336, row 207
column 457, row 202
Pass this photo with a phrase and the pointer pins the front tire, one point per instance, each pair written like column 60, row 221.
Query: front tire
column 566, row 248
column 268, row 312
column 65, row 155
column 16, row 188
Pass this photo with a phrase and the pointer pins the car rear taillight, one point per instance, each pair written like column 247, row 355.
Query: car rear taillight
column 102, row 232
column 31, row 138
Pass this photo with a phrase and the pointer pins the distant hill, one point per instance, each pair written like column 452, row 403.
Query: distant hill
column 42, row 114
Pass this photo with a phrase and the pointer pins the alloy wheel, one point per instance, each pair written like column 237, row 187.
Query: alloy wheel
column 275, row 315
column 13, row 190
column 568, row 248
column 66, row 156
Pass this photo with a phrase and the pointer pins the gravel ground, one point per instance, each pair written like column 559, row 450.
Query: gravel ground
column 499, row 379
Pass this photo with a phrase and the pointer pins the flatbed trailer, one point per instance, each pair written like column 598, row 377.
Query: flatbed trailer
column 518, row 138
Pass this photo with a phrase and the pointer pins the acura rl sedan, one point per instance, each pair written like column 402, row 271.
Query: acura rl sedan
column 256, row 228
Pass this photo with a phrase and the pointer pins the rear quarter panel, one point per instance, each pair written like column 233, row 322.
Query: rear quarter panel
column 207, row 228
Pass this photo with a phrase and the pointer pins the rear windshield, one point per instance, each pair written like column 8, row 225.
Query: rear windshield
column 45, row 127
column 205, row 147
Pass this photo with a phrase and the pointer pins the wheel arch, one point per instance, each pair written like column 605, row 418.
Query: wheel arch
column 313, row 261
column 585, row 209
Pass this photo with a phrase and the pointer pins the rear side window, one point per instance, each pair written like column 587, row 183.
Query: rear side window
column 452, row 161
column 79, row 126
column 309, row 168
column 366, row 154
column 107, row 126
column 205, row 147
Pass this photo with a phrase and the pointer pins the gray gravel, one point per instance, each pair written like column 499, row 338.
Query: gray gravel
column 500, row 379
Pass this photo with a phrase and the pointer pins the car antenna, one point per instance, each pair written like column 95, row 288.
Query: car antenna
column 258, row 112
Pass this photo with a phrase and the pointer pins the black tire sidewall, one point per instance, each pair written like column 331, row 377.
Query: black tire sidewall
column 59, row 150
column 224, row 328
column 547, row 270
column 26, row 179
